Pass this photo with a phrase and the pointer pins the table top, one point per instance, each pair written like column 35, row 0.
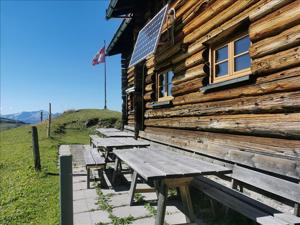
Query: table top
column 159, row 164
column 109, row 132
column 119, row 142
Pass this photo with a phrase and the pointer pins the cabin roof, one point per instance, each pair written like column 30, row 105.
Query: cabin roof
column 119, row 42
column 117, row 8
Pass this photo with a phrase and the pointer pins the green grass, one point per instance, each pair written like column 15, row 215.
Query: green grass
column 28, row 197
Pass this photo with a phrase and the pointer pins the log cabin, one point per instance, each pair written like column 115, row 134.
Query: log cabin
column 222, row 83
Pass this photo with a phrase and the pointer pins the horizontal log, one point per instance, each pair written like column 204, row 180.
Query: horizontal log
column 210, row 11
column 287, row 39
column 267, row 8
column 288, row 80
column 130, row 70
column 268, row 125
column 150, row 78
column 191, row 49
column 276, row 155
column 281, row 60
column 276, row 22
column 187, row 87
column 196, row 10
column 238, row 7
column 149, row 96
column 194, row 72
column 150, row 71
column 149, row 87
column 191, row 61
column 272, row 103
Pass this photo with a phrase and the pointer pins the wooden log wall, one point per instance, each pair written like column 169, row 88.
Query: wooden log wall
column 256, row 123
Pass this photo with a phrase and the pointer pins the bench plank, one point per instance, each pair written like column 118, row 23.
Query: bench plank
column 280, row 187
column 88, row 158
column 99, row 160
column 290, row 219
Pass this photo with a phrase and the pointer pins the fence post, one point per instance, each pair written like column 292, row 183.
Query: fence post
column 49, row 122
column 66, row 187
column 35, row 147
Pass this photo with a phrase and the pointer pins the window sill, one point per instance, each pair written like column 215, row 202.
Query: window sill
column 162, row 104
column 225, row 83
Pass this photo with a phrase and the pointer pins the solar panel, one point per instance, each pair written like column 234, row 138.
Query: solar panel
column 148, row 37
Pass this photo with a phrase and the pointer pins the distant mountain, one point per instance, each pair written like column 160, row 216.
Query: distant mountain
column 30, row 117
column 8, row 123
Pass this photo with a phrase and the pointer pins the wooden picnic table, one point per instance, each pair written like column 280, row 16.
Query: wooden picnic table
column 107, row 130
column 112, row 132
column 166, row 169
column 109, row 144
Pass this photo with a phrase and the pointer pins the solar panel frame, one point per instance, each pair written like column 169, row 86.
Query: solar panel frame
column 142, row 32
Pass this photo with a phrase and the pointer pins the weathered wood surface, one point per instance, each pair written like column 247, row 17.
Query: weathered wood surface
column 116, row 133
column 271, row 103
column 107, row 130
column 119, row 142
column 93, row 158
column 187, row 87
column 157, row 164
column 286, row 39
column 234, row 9
column 280, row 187
column 276, row 22
column 281, row 60
column 288, row 80
column 276, row 125
column 267, row 8
column 189, row 74
column 271, row 154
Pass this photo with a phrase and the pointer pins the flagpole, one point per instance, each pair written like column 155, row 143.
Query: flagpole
column 105, row 106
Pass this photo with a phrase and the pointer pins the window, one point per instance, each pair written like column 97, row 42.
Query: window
column 164, row 86
column 231, row 60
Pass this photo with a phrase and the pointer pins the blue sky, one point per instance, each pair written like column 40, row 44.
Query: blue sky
column 46, row 53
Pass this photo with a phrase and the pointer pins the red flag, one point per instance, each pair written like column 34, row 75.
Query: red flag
column 99, row 57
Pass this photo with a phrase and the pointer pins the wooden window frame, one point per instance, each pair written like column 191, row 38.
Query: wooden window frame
column 231, row 74
column 165, row 97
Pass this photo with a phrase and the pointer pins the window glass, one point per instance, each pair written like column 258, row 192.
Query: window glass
column 161, row 90
column 170, row 77
column 241, row 45
column 221, row 69
column 242, row 62
column 222, row 53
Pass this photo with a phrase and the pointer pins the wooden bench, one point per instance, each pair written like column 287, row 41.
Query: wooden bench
column 167, row 170
column 93, row 160
column 257, row 211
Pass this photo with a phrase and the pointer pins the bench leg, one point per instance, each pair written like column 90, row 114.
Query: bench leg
column 132, row 187
column 116, row 170
column 88, row 177
column 161, row 204
column 187, row 203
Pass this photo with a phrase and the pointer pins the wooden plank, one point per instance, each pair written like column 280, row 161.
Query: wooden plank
column 230, row 201
column 99, row 160
column 270, row 220
column 290, row 219
column 268, row 183
column 270, row 154
column 88, row 158
column 107, row 130
column 235, row 194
